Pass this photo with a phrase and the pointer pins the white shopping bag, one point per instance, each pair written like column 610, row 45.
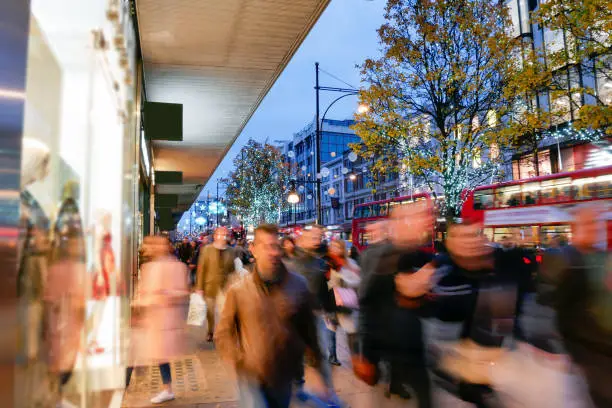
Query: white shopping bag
column 197, row 310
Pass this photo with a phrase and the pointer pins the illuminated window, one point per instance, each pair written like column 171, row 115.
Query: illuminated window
column 494, row 151
column 477, row 159
column 491, row 118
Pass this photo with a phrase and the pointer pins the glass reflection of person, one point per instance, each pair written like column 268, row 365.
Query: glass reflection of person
column 34, row 250
column 64, row 292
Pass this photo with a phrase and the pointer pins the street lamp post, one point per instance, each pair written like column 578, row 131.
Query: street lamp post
column 319, row 126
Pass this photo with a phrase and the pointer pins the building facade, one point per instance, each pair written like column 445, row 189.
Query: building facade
column 345, row 178
column 564, row 149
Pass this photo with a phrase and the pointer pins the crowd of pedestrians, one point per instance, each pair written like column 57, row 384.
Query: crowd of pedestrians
column 467, row 319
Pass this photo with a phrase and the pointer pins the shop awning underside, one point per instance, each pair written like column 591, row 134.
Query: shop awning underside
column 218, row 59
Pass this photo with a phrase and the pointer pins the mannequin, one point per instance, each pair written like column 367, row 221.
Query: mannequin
column 34, row 250
column 105, row 279
column 65, row 289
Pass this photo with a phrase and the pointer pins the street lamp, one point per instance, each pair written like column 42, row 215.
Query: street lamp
column 361, row 110
column 293, row 197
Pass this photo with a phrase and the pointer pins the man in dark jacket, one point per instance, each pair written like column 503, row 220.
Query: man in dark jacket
column 185, row 251
column 313, row 268
column 584, row 304
column 266, row 325
column 390, row 322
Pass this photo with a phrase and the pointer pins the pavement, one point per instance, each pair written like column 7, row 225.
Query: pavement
column 202, row 380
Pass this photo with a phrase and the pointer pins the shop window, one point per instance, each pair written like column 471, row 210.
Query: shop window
column 604, row 84
column 526, row 166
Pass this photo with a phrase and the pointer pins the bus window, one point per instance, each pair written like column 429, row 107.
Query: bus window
column 375, row 210
column 483, row 199
column 508, row 196
column 384, row 210
column 554, row 236
column 530, row 193
column 366, row 211
column 604, row 186
column 358, row 212
column 556, row 191
column 581, row 188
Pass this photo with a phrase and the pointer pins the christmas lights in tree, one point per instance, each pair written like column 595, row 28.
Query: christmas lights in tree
column 258, row 183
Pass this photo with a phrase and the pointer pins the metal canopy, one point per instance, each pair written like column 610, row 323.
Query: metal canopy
column 218, row 59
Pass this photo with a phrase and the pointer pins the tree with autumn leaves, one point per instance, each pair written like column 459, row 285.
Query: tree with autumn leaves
column 436, row 95
column 455, row 93
column 257, row 186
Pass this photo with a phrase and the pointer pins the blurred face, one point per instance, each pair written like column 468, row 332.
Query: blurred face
column 311, row 239
column 335, row 248
column 185, row 240
column 288, row 246
column 411, row 225
column 468, row 245
column 588, row 229
column 377, row 231
column 221, row 236
column 267, row 253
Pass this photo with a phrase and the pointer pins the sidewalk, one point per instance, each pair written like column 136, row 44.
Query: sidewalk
column 202, row 380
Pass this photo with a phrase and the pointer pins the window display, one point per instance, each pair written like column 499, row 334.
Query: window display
column 78, row 202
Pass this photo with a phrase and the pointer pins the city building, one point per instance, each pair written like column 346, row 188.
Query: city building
column 563, row 149
column 344, row 182
column 300, row 153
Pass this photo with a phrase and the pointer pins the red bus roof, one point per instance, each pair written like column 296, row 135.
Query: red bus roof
column 395, row 199
column 597, row 171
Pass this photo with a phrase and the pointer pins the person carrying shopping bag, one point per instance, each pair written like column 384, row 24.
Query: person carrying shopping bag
column 344, row 280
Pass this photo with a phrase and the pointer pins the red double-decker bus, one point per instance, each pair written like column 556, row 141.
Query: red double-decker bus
column 538, row 210
column 368, row 213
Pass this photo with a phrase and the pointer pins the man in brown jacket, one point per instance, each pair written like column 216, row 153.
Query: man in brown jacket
column 215, row 265
column 266, row 325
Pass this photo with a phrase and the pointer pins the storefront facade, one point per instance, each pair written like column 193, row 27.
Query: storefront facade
column 80, row 203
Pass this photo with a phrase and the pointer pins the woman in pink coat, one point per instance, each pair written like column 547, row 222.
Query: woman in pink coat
column 159, row 313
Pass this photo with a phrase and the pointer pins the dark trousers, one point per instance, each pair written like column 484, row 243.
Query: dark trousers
column 164, row 370
column 276, row 398
column 415, row 375
column 332, row 345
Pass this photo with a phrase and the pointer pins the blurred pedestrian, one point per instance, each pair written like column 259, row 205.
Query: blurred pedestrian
column 483, row 288
column 308, row 263
column 584, row 302
column 215, row 267
column 185, row 251
column 265, row 326
column 343, row 281
column 288, row 246
column 391, row 328
column 159, row 314
column 354, row 253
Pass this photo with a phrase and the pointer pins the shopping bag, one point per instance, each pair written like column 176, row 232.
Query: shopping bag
column 197, row 310
column 346, row 298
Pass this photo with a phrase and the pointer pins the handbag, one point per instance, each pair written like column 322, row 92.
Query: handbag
column 364, row 369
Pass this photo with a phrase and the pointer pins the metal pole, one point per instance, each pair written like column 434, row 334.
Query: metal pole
column 318, row 144
column 217, row 206
column 208, row 210
column 559, row 155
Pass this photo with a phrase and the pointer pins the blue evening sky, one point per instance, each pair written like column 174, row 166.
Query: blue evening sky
column 344, row 37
